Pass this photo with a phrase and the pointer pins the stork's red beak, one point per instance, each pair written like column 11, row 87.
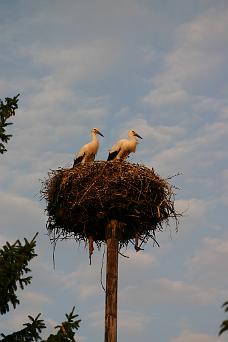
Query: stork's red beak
column 138, row 136
column 100, row 133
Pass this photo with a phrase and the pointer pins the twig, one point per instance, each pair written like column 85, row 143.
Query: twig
column 101, row 275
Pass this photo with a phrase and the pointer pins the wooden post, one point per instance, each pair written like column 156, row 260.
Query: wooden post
column 111, row 282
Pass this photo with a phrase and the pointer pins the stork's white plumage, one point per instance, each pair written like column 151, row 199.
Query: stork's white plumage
column 124, row 147
column 88, row 152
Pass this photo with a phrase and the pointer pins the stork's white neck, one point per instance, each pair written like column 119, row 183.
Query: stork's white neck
column 94, row 136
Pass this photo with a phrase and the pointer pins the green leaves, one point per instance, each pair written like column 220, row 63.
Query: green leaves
column 14, row 261
column 30, row 333
column 65, row 332
column 7, row 110
column 224, row 325
column 14, row 270
column 32, row 330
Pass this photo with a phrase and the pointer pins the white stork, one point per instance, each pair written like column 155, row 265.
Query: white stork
column 124, row 147
column 88, row 152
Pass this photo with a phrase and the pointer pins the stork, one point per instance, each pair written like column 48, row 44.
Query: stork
column 88, row 152
column 124, row 147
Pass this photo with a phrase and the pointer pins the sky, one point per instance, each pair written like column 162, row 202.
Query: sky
column 158, row 67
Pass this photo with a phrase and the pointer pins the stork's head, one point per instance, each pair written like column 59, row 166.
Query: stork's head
column 132, row 133
column 96, row 131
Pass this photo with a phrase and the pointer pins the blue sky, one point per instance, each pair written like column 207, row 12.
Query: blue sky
column 159, row 67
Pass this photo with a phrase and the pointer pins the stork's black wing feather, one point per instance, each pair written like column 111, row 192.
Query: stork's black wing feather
column 78, row 160
column 112, row 155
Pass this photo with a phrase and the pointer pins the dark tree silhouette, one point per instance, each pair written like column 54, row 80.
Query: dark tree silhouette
column 7, row 109
column 14, row 270
column 224, row 325
column 14, row 261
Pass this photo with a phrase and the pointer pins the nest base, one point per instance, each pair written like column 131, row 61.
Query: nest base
column 81, row 201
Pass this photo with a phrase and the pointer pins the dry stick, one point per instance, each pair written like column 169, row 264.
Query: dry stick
column 111, row 282
column 94, row 181
column 101, row 275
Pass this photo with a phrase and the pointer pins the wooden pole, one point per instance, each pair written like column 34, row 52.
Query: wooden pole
column 111, row 282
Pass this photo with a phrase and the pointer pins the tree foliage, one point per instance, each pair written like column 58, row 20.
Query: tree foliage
column 30, row 333
column 32, row 330
column 14, row 261
column 7, row 109
column 224, row 325
column 65, row 331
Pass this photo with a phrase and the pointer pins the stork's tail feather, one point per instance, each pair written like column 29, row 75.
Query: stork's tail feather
column 78, row 160
column 112, row 155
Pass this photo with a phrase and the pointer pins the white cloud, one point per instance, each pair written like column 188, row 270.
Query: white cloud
column 197, row 60
column 96, row 318
column 201, row 51
column 208, row 264
column 164, row 290
column 13, row 211
column 4, row 238
column 131, row 325
column 224, row 113
column 195, row 154
column 84, row 282
column 194, row 209
column 88, row 290
column 189, row 336
column 204, row 104
column 167, row 97
column 48, row 96
column 7, row 87
column 69, row 64
column 224, row 176
column 136, row 260
column 36, row 298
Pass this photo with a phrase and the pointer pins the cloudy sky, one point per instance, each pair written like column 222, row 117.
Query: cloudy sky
column 159, row 67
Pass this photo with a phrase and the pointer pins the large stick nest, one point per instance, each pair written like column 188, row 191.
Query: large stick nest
column 82, row 200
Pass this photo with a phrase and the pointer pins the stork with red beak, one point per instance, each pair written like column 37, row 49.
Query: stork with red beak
column 88, row 152
column 123, row 147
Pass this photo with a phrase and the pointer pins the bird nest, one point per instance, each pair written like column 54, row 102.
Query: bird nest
column 81, row 201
